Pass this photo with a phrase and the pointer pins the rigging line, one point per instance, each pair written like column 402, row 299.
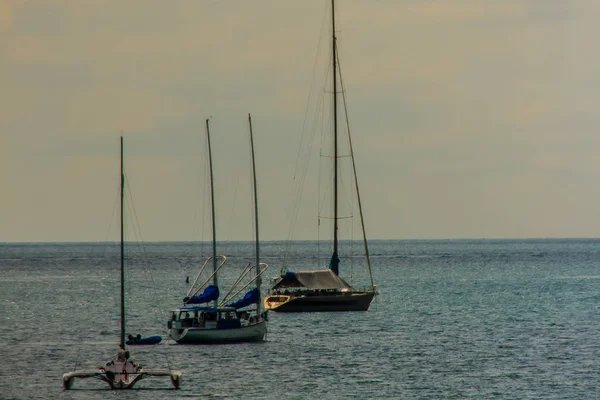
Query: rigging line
column 145, row 254
column 196, row 216
column 136, row 241
column 250, row 144
column 138, row 232
column 326, row 126
column 206, row 197
column 231, row 215
column 114, row 212
column 347, row 190
column 127, row 262
column 310, row 93
column 299, row 192
column 203, row 173
column 319, row 119
column 322, row 199
column 347, row 217
column 345, row 197
column 230, row 296
column 204, row 192
column 352, row 244
column 245, row 272
column 295, row 211
column 106, row 247
column 362, row 220
column 345, row 156
column 198, row 275
column 319, row 183
column 325, row 136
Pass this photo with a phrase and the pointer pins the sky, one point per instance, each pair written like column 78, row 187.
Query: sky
column 469, row 118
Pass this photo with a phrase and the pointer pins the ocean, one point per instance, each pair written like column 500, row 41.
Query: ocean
column 454, row 319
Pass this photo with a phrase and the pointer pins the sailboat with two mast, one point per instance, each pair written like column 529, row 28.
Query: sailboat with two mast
column 121, row 372
column 324, row 289
column 204, row 319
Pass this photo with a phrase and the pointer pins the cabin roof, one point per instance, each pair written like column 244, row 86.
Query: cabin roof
column 319, row 279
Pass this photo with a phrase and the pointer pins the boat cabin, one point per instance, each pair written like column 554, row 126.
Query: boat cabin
column 310, row 282
column 210, row 318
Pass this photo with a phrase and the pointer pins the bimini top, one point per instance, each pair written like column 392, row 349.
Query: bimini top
column 319, row 279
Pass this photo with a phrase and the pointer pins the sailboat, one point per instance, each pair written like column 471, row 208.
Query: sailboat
column 121, row 372
column 204, row 319
column 325, row 290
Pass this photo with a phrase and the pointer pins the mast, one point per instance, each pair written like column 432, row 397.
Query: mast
column 334, row 265
column 122, row 339
column 257, row 251
column 212, row 202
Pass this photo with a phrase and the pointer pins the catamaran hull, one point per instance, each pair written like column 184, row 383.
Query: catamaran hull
column 321, row 303
column 252, row 333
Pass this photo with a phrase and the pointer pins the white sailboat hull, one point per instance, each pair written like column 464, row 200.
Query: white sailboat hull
column 203, row 335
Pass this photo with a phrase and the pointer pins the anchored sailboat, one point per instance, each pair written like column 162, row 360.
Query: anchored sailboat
column 325, row 290
column 226, row 321
column 121, row 372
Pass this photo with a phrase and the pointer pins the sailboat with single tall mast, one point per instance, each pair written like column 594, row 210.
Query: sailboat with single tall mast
column 204, row 319
column 121, row 372
column 325, row 290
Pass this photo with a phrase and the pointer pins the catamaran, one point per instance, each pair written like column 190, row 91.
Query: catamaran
column 121, row 372
column 324, row 289
column 204, row 319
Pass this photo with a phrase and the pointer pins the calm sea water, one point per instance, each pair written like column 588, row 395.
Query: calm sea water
column 510, row 319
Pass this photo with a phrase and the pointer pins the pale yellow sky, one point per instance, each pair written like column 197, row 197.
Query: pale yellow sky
column 470, row 118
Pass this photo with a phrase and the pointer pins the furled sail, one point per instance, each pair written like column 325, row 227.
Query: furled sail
column 210, row 293
column 252, row 297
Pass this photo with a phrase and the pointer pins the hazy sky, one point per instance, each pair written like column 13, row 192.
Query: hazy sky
column 470, row 119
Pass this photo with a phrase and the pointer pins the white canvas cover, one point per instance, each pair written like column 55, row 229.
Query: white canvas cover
column 319, row 279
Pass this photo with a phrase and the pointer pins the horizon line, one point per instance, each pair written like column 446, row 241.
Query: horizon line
column 303, row 240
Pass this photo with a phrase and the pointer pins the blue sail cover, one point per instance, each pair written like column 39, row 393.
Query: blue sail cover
column 252, row 297
column 210, row 293
column 290, row 274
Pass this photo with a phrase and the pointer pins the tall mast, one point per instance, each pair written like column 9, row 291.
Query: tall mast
column 122, row 339
column 257, row 251
column 334, row 258
column 212, row 202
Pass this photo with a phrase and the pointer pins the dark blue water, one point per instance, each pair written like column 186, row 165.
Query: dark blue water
column 454, row 319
